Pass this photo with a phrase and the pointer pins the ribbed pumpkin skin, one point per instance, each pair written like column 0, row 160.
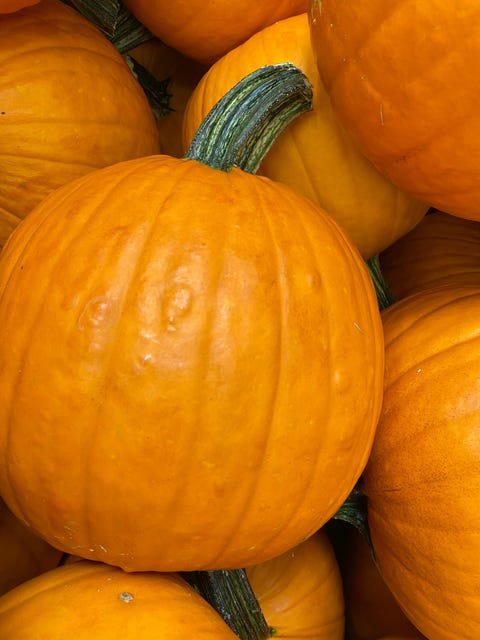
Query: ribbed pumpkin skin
column 69, row 104
column 300, row 592
column 23, row 555
column 82, row 600
column 203, row 348
column 423, row 477
column 314, row 155
column 442, row 249
column 204, row 31
column 387, row 66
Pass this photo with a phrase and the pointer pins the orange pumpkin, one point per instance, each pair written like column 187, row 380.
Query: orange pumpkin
column 183, row 74
column 371, row 610
column 423, row 476
column 300, row 592
column 9, row 6
column 23, row 555
column 211, row 351
column 92, row 600
column 205, row 31
column 69, row 105
column 442, row 249
column 403, row 78
column 314, row 155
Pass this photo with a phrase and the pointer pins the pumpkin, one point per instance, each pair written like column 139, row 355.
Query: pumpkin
column 69, row 105
column 205, row 31
column 442, row 249
column 300, row 592
column 371, row 610
column 23, row 555
column 403, row 79
column 314, row 155
column 205, row 349
column 422, row 480
column 9, row 6
column 90, row 599
column 182, row 75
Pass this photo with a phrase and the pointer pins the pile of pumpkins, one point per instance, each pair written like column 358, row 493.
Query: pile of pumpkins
column 196, row 371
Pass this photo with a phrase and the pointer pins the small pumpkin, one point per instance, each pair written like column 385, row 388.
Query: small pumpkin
column 442, row 249
column 314, row 155
column 371, row 610
column 10, row 6
column 205, row 31
column 69, row 105
column 300, row 592
column 23, row 555
column 423, row 476
column 403, row 78
column 93, row 600
column 208, row 357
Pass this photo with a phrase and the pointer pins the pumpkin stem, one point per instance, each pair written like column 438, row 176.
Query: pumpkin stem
column 240, row 129
column 384, row 295
column 230, row 593
column 354, row 512
column 115, row 21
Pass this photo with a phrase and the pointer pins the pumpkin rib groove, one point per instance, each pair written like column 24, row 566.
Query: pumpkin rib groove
column 91, row 492
column 40, row 310
column 275, row 386
column 8, row 417
column 287, row 518
column 336, row 72
column 204, row 347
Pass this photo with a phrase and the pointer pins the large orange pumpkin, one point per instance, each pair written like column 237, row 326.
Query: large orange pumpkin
column 404, row 78
column 442, row 249
column 92, row 600
column 314, row 155
column 203, row 347
column 69, row 105
column 300, row 592
column 423, row 477
column 23, row 555
column 205, row 31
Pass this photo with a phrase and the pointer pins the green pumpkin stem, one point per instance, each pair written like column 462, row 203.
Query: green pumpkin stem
column 384, row 295
column 115, row 21
column 354, row 512
column 230, row 593
column 243, row 125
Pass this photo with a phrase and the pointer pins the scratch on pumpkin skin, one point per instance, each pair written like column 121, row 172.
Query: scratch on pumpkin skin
column 381, row 115
column 357, row 326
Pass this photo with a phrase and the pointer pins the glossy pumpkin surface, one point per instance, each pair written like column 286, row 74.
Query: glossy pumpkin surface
column 403, row 78
column 23, row 555
column 206, row 351
column 300, row 592
column 442, row 249
column 92, row 600
column 205, row 31
column 314, row 155
column 371, row 611
column 423, row 477
column 69, row 105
